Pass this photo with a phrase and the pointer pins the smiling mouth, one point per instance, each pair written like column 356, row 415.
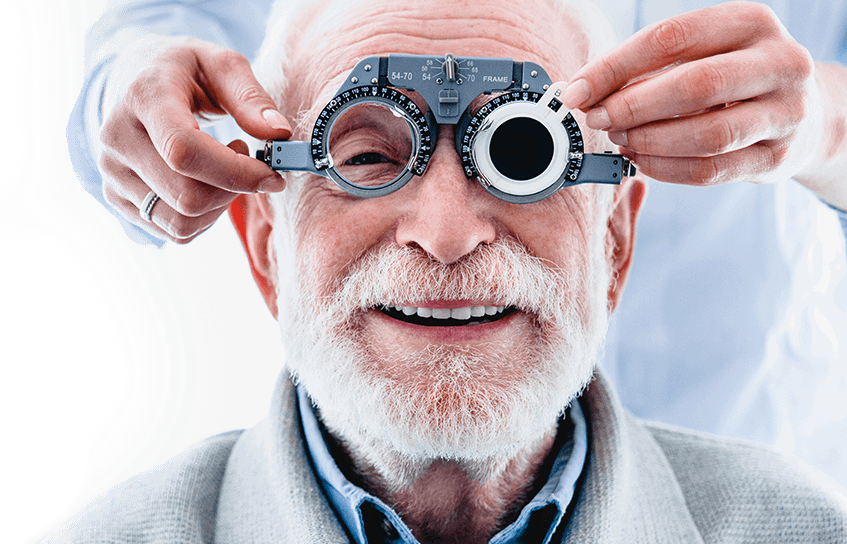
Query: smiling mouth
column 444, row 317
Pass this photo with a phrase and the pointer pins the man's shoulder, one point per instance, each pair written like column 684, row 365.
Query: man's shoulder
column 174, row 502
column 737, row 490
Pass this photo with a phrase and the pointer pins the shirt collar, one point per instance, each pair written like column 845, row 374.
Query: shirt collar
column 367, row 519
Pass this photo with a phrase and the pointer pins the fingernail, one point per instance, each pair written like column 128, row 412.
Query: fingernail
column 618, row 137
column 598, row 119
column 576, row 93
column 276, row 120
column 272, row 184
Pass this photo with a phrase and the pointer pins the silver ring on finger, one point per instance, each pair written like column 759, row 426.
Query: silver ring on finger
column 147, row 206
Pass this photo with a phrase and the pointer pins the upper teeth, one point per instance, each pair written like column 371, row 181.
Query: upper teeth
column 446, row 313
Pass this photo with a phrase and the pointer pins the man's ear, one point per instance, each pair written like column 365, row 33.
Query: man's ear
column 620, row 236
column 252, row 217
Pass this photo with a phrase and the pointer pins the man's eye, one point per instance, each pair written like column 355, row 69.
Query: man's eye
column 363, row 159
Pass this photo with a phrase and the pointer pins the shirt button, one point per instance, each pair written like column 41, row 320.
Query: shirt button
column 388, row 530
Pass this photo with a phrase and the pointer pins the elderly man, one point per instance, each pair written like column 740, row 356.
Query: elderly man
column 440, row 339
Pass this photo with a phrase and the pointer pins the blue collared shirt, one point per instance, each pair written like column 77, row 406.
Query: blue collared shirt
column 369, row 520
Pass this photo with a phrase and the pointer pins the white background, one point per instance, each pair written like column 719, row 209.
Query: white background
column 113, row 356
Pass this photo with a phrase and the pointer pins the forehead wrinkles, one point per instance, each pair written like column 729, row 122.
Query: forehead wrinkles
column 337, row 38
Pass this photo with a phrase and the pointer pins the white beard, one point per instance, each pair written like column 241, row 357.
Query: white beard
column 450, row 402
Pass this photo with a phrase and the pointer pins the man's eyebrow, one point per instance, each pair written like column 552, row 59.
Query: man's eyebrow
column 306, row 118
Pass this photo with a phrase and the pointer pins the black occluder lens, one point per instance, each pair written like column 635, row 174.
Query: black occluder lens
column 521, row 148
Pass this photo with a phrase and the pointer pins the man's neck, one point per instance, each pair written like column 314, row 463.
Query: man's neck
column 449, row 500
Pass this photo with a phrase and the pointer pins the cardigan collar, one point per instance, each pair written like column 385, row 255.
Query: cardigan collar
column 628, row 492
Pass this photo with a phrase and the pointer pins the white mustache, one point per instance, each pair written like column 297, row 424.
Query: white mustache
column 500, row 273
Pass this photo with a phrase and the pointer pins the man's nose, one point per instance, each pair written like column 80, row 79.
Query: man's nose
column 448, row 215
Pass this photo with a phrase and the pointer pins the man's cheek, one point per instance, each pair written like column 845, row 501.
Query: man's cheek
column 331, row 240
column 320, row 256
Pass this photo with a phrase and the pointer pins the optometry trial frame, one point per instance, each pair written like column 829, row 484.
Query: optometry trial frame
column 522, row 145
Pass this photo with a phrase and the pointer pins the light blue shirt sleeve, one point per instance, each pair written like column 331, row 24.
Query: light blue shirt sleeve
column 235, row 25
column 841, row 58
column 842, row 218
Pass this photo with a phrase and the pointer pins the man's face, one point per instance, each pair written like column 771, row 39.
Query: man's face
column 441, row 245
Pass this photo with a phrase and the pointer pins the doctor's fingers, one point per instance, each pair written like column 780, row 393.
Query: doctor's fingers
column 688, row 37
column 127, row 145
column 714, row 132
column 699, row 85
column 125, row 191
column 763, row 162
column 160, row 139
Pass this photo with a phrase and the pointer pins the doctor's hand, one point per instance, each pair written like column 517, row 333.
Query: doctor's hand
column 712, row 96
column 151, row 140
